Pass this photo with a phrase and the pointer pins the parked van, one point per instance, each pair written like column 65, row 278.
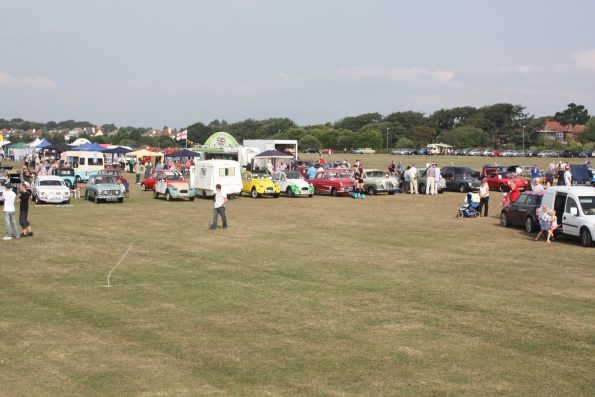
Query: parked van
column 575, row 210
column 82, row 162
column 206, row 174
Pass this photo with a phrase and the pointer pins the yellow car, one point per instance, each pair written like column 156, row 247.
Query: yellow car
column 259, row 183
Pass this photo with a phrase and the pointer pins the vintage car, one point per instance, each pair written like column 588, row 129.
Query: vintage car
column 364, row 150
column 67, row 174
column 461, row 179
column 258, row 183
column 149, row 182
column 50, row 189
column 421, row 182
column 334, row 182
column 103, row 187
column 172, row 185
column 293, row 184
column 501, row 181
column 378, row 181
column 117, row 173
column 523, row 212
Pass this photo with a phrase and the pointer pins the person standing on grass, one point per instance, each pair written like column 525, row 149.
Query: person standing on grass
column 138, row 169
column 567, row 176
column 9, row 214
column 544, row 222
column 430, row 179
column 535, row 173
column 413, row 179
column 220, row 200
column 437, row 177
column 25, row 195
column 484, row 197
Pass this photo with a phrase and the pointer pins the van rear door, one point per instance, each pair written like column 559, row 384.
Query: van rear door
column 571, row 222
column 559, row 207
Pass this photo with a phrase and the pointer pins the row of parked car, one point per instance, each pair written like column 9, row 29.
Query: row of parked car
column 520, row 153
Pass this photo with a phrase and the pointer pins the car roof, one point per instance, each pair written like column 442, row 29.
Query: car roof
column 579, row 190
column 48, row 177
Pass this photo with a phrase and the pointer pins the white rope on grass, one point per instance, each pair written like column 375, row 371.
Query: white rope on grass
column 118, row 264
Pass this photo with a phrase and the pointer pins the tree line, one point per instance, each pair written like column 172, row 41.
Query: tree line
column 498, row 125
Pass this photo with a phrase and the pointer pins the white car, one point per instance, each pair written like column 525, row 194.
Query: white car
column 50, row 189
column 293, row 184
column 365, row 150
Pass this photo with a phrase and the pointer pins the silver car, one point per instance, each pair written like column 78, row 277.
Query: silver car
column 378, row 181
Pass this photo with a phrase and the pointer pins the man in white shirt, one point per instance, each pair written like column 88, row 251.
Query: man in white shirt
column 484, row 198
column 9, row 214
column 220, row 200
column 567, row 177
column 437, row 177
column 413, row 179
column 430, row 179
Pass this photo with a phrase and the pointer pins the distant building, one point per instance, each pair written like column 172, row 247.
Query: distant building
column 560, row 133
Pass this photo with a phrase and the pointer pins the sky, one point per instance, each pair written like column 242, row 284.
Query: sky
column 149, row 63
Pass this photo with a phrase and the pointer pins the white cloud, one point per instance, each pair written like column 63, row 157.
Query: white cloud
column 584, row 59
column 8, row 80
column 523, row 69
column 408, row 75
column 288, row 77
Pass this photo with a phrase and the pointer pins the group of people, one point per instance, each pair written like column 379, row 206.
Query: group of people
column 548, row 223
column 144, row 168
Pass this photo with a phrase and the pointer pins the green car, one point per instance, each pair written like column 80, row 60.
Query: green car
column 104, row 187
column 421, row 182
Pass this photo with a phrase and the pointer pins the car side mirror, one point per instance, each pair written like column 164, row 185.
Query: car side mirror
column 574, row 211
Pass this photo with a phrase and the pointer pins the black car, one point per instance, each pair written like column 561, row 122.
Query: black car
column 311, row 150
column 422, row 152
column 569, row 153
column 523, row 212
column 461, row 179
column 586, row 154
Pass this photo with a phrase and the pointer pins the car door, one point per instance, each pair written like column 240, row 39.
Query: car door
column 448, row 174
column 246, row 182
column 161, row 185
column 571, row 217
column 518, row 211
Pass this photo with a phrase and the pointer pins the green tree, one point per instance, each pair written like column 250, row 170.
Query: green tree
column 357, row 122
column 421, row 135
column 407, row 119
column 467, row 136
column 405, row 143
column 588, row 134
column 309, row 141
column 573, row 115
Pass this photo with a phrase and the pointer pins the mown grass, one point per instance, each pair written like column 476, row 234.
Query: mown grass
column 325, row 296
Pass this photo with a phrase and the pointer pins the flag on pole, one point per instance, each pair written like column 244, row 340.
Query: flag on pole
column 182, row 135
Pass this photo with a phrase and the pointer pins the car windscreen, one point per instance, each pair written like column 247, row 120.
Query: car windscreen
column 374, row 174
column 105, row 179
column 175, row 177
column 50, row 183
column 294, row 175
column 587, row 204
column 338, row 175
column 64, row 172
column 261, row 175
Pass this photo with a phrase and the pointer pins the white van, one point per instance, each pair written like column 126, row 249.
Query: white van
column 82, row 162
column 208, row 173
column 575, row 210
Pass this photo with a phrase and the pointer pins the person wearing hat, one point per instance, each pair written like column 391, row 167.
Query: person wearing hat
column 25, row 195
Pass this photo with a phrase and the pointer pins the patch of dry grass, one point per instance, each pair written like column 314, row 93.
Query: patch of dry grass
column 323, row 296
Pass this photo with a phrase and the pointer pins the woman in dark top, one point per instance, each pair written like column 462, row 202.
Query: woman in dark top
column 25, row 195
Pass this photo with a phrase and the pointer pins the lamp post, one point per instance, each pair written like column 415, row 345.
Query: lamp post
column 387, row 137
column 524, row 140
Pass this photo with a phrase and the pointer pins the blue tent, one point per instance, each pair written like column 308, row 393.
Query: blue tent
column 90, row 147
column 43, row 144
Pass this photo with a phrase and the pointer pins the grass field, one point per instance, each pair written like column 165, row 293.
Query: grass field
column 391, row 295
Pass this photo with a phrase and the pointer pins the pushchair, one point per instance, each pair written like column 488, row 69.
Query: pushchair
column 469, row 209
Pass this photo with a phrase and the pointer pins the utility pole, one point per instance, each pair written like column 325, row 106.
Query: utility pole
column 387, row 137
column 524, row 140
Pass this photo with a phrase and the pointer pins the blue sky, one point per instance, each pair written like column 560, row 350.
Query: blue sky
column 156, row 63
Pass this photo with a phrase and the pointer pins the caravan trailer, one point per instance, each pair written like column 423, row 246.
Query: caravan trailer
column 208, row 173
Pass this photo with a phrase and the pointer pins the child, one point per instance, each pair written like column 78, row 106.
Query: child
column 505, row 200
column 544, row 222
column 553, row 225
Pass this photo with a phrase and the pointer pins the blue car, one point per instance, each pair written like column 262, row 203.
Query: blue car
column 67, row 175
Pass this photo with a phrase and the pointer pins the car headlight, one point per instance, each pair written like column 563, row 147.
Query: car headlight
column 104, row 192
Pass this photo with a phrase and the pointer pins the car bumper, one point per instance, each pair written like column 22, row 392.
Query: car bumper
column 182, row 194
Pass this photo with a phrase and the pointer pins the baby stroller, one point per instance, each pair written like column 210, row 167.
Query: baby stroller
column 469, row 208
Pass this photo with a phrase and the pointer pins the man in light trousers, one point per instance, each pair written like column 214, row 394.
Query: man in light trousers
column 10, row 198
column 430, row 180
column 412, row 179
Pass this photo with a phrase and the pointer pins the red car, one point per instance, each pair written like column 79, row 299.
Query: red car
column 149, row 182
column 334, row 182
column 500, row 181
column 328, row 151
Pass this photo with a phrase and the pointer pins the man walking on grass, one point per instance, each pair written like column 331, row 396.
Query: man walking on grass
column 220, row 200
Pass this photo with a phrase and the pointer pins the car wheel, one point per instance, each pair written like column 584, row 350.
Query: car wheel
column 372, row 191
column 530, row 226
column 502, row 187
column 77, row 179
column 254, row 193
column 422, row 189
column 586, row 239
column 191, row 198
column 240, row 194
column 462, row 188
column 276, row 195
column 391, row 193
column 334, row 192
column 96, row 200
column 143, row 187
column 290, row 192
column 67, row 201
column 121, row 200
column 68, row 183
column 37, row 200
column 310, row 195
column 504, row 219
column 167, row 196
column 86, row 196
